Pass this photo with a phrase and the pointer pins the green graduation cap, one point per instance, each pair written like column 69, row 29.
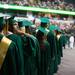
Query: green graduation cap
column 11, row 20
column 43, row 30
column 27, row 23
column 44, row 20
column 52, row 27
column 58, row 29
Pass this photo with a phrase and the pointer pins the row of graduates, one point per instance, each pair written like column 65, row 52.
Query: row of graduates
column 24, row 54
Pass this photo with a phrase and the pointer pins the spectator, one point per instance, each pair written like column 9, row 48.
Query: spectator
column 71, row 39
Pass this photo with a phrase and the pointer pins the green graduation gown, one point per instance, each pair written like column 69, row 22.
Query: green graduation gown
column 59, row 49
column 52, row 41
column 64, row 40
column 31, row 55
column 56, row 57
column 61, row 45
column 9, row 64
column 45, row 57
column 18, row 42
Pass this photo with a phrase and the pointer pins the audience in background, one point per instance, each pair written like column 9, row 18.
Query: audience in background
column 52, row 4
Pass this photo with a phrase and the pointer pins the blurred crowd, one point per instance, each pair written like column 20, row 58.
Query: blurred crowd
column 62, row 21
column 65, row 22
column 52, row 4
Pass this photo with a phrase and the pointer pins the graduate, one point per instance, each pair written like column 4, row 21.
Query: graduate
column 15, row 27
column 64, row 40
column 45, row 52
column 28, row 24
column 8, row 53
column 31, row 53
column 43, row 24
column 45, row 49
column 51, row 38
column 59, row 45
column 17, row 39
column 28, row 49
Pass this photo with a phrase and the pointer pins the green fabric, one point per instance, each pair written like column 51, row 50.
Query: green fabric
column 27, row 23
column 1, row 36
column 56, row 57
column 61, row 45
column 59, row 30
column 45, row 52
column 18, row 42
column 64, row 39
column 9, row 65
column 2, row 22
column 52, row 27
column 51, row 68
column 45, row 57
column 52, row 41
column 11, row 20
column 31, row 55
column 44, row 20
column 59, row 49
column 42, row 29
column 58, row 53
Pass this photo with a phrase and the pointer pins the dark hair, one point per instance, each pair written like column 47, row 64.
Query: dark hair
column 43, row 24
column 39, row 35
column 20, row 24
column 2, row 27
column 57, row 32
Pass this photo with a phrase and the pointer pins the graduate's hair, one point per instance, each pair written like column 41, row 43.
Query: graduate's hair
column 28, row 29
column 57, row 32
column 43, row 24
column 39, row 35
column 2, row 27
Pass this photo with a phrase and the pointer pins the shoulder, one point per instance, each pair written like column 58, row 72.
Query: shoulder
column 51, row 33
column 12, row 46
column 14, row 36
column 46, row 43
